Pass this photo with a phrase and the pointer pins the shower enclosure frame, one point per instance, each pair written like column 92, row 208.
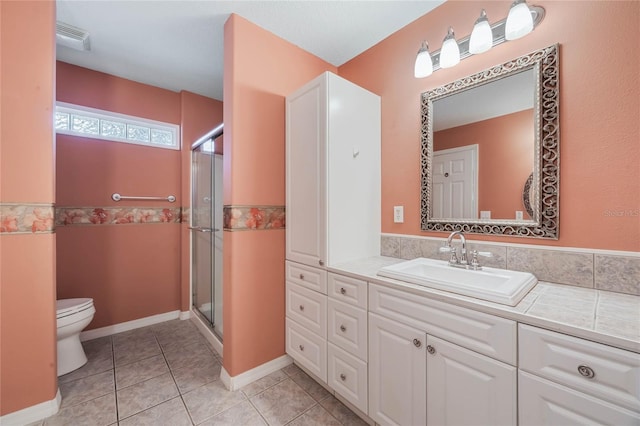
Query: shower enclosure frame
column 208, row 322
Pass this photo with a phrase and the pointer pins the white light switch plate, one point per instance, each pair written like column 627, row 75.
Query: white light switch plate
column 398, row 214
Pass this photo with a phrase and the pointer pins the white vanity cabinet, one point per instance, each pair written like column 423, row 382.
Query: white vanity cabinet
column 397, row 372
column 571, row 381
column 466, row 388
column 306, row 317
column 347, row 339
column 421, row 368
column 332, row 172
column 333, row 216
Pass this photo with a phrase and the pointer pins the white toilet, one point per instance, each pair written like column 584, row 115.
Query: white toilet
column 72, row 316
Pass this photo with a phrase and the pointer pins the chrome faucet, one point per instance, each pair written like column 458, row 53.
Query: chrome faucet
column 462, row 261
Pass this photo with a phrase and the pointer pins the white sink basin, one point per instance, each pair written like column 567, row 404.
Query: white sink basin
column 491, row 284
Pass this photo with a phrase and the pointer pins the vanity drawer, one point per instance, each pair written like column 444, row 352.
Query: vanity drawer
column 486, row 334
column 349, row 290
column 545, row 403
column 347, row 328
column 347, row 375
column 308, row 308
column 308, row 349
column 306, row 276
column 558, row 357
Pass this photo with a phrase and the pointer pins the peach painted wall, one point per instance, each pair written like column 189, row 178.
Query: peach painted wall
column 599, row 110
column 27, row 261
column 134, row 270
column 254, row 174
column 505, row 159
column 199, row 115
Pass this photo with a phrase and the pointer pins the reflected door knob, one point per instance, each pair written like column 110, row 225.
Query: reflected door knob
column 417, row 343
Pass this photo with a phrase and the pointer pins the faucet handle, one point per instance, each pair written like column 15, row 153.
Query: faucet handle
column 446, row 249
column 475, row 265
column 477, row 253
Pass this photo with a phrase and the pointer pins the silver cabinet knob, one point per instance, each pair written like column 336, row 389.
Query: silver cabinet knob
column 431, row 349
column 302, row 307
column 302, row 276
column 417, row 343
column 343, row 328
column 321, row 263
column 343, row 290
column 301, row 347
column 586, row 371
column 343, row 377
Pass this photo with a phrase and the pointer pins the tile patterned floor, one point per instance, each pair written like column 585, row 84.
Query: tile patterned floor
column 167, row 374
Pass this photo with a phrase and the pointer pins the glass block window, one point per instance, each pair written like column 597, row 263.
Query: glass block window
column 105, row 125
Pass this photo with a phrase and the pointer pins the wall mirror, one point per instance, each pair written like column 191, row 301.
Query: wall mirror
column 490, row 159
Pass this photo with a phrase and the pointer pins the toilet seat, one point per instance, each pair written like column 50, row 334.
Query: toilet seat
column 67, row 307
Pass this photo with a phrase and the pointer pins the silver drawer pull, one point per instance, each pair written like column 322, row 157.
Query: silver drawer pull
column 586, row 371
column 417, row 343
column 343, row 377
column 343, row 290
column 302, row 276
column 431, row 349
column 343, row 328
column 302, row 307
column 301, row 347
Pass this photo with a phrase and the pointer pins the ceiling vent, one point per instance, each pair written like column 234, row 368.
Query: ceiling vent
column 72, row 37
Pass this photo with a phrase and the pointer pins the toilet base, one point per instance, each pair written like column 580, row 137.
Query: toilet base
column 71, row 354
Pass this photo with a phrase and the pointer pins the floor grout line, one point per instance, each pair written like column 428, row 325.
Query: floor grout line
column 149, row 395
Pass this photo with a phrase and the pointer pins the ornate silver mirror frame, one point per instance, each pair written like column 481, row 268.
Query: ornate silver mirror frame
column 545, row 183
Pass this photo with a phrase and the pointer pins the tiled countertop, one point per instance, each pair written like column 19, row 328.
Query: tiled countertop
column 601, row 316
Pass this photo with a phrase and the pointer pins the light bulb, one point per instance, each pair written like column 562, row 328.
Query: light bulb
column 450, row 52
column 519, row 22
column 424, row 64
column 481, row 37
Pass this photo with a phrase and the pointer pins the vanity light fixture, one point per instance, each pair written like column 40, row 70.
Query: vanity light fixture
column 483, row 37
column 450, row 54
column 424, row 64
column 519, row 21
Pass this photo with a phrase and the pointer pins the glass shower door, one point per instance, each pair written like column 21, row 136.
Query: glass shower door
column 206, row 235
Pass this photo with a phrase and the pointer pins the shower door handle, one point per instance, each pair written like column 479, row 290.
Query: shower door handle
column 197, row 228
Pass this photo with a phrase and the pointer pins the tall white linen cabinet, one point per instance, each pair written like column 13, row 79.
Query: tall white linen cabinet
column 333, row 216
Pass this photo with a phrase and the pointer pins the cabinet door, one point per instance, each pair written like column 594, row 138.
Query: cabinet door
column 542, row 403
column 397, row 373
column 305, row 170
column 466, row 388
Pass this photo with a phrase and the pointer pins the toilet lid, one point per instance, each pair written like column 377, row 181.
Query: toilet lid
column 65, row 307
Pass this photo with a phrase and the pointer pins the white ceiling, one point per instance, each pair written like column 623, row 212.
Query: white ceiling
column 499, row 97
column 178, row 44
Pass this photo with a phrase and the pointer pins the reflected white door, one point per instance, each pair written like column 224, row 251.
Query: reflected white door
column 455, row 183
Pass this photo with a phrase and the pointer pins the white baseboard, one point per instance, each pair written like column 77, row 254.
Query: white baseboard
column 34, row 413
column 185, row 315
column 250, row 376
column 129, row 325
column 207, row 333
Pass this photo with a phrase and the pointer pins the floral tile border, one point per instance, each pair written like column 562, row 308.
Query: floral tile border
column 18, row 218
column 251, row 218
column 66, row 216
